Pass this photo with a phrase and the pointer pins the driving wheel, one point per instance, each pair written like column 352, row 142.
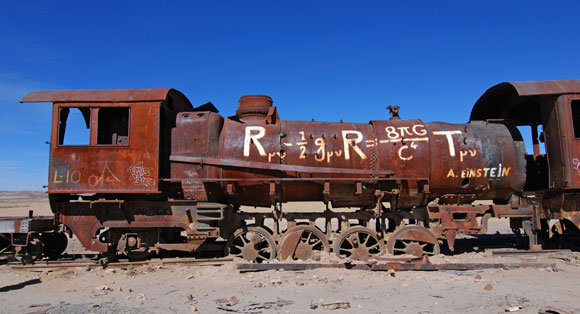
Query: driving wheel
column 253, row 244
column 359, row 243
column 303, row 243
column 413, row 240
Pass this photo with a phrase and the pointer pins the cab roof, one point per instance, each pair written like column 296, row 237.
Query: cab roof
column 107, row 95
column 520, row 101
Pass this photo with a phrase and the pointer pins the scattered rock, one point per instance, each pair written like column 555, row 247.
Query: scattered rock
column 193, row 308
column 131, row 272
column 335, row 306
column 229, row 302
column 233, row 301
column 105, row 288
column 39, row 305
column 190, row 276
column 276, row 282
column 553, row 310
column 513, row 308
column 488, row 287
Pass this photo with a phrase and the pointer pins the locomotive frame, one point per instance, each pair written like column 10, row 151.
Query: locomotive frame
column 156, row 173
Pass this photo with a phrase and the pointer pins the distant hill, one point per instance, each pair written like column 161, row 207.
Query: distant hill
column 23, row 196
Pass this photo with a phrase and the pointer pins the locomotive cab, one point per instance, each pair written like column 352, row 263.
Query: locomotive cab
column 109, row 151
column 552, row 110
column 126, row 129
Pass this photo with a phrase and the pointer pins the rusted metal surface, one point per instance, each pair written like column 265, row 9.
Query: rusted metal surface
column 153, row 167
column 383, row 155
column 303, row 243
column 414, row 240
column 527, row 252
column 497, row 101
column 122, row 154
column 105, row 95
column 252, row 244
column 359, row 243
column 86, row 222
column 549, row 108
column 26, row 224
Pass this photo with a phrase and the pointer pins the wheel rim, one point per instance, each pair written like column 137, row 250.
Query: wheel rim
column 303, row 243
column 253, row 244
column 359, row 243
column 413, row 240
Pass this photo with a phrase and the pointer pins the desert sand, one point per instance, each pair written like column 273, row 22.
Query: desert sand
column 223, row 289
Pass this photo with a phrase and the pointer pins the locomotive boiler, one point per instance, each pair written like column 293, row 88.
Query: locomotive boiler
column 154, row 173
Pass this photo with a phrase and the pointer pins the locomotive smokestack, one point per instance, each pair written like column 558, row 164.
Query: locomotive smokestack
column 253, row 106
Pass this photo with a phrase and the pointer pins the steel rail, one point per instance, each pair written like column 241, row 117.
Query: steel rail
column 249, row 267
column 91, row 263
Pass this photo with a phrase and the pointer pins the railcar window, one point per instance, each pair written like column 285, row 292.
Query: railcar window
column 74, row 126
column 576, row 117
column 527, row 135
column 113, row 126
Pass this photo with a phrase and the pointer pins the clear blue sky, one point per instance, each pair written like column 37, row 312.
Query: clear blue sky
column 323, row 60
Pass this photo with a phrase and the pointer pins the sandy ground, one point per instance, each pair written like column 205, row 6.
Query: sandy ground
column 19, row 203
column 223, row 289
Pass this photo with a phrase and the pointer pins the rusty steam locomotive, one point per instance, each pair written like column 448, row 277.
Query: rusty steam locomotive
column 155, row 173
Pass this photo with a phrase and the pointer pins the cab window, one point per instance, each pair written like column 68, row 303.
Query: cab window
column 74, row 126
column 113, row 126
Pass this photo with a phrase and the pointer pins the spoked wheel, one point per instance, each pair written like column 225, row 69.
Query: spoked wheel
column 359, row 243
column 304, row 243
column 253, row 244
column 31, row 252
column 55, row 244
column 413, row 240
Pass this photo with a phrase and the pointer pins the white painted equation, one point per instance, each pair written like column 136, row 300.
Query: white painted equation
column 352, row 140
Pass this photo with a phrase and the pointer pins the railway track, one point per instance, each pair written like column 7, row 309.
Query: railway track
column 374, row 264
column 47, row 265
